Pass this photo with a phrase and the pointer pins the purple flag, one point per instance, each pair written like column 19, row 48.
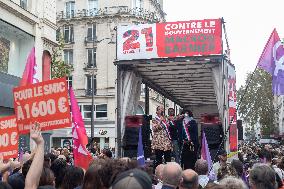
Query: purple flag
column 205, row 154
column 21, row 155
column 140, row 151
column 271, row 60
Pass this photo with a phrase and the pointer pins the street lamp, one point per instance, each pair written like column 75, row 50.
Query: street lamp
column 93, row 83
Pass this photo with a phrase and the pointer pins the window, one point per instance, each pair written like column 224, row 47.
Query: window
column 23, row 4
column 89, row 85
column 136, row 3
column 91, row 57
column 101, row 111
column 91, row 33
column 139, row 110
column 70, row 9
column 58, row 33
column 87, row 111
column 68, row 34
column 69, row 81
column 68, row 56
column 93, row 7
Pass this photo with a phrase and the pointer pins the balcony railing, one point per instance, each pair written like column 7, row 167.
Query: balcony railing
column 109, row 11
column 90, row 39
column 90, row 66
column 88, row 92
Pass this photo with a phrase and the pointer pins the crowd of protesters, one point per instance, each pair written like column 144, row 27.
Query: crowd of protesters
column 257, row 167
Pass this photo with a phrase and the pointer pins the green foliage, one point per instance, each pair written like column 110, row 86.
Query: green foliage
column 59, row 68
column 257, row 104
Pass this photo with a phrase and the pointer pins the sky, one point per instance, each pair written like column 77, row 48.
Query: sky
column 249, row 24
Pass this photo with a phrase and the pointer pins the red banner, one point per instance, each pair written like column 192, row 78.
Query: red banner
column 232, row 109
column 9, row 137
column 45, row 103
column 189, row 38
column 170, row 39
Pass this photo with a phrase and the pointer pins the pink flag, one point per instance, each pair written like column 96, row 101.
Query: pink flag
column 30, row 70
column 205, row 154
column 82, row 157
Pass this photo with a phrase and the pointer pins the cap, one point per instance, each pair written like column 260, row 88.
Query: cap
column 132, row 179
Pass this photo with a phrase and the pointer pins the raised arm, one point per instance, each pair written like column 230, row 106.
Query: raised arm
column 34, row 173
column 156, row 126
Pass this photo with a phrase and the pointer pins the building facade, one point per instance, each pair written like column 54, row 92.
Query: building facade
column 24, row 24
column 88, row 28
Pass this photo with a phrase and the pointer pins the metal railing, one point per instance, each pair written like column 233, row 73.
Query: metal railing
column 108, row 11
column 90, row 66
column 90, row 39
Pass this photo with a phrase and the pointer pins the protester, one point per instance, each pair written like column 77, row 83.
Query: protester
column 266, row 157
column 59, row 167
column 233, row 183
column 215, row 186
column 159, row 176
column 189, row 179
column 201, row 168
column 93, row 178
column 34, row 173
column 4, row 185
column 262, row 176
column 47, row 178
column 281, row 167
column 132, row 179
column 73, row 178
column 239, row 167
column 222, row 155
column 106, row 153
column 172, row 174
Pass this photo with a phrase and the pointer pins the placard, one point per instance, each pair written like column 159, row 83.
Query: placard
column 233, row 132
column 170, row 39
column 45, row 103
column 9, row 137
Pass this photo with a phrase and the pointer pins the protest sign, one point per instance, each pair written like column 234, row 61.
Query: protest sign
column 45, row 103
column 9, row 137
column 170, row 39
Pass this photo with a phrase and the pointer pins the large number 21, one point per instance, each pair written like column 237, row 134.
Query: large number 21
column 132, row 35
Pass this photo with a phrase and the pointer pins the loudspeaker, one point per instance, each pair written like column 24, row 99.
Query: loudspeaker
column 240, row 129
column 131, row 135
column 213, row 129
column 212, row 126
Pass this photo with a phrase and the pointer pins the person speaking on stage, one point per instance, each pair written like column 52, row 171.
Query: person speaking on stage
column 161, row 141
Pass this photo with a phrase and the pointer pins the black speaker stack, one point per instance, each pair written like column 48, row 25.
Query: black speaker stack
column 131, row 135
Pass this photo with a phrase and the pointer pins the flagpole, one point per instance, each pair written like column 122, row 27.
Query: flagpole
column 93, row 94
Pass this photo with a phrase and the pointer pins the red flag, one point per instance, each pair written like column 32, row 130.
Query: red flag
column 82, row 157
column 30, row 70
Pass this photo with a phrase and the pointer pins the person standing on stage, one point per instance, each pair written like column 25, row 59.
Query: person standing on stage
column 190, row 144
column 161, row 141
column 175, row 132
